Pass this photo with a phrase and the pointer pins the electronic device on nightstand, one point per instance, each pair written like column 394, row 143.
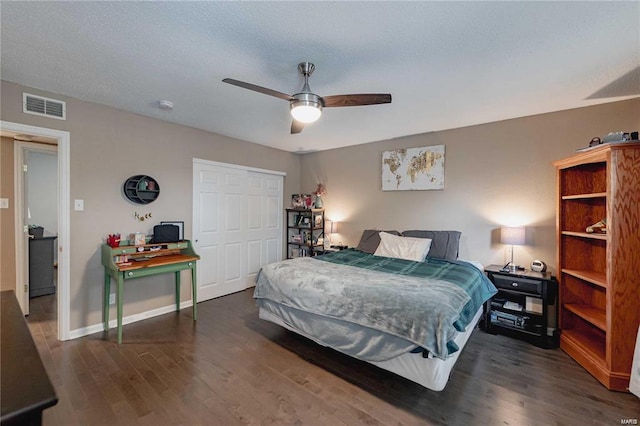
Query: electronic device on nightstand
column 538, row 266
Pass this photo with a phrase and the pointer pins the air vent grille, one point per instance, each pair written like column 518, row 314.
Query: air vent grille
column 38, row 105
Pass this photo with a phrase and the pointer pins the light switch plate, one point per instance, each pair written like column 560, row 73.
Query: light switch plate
column 78, row 205
column 4, row 203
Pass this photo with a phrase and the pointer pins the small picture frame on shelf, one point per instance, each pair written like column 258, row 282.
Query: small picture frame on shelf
column 318, row 220
column 301, row 201
column 138, row 238
column 179, row 224
column 297, row 201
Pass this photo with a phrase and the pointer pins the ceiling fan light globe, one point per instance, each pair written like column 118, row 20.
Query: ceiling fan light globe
column 306, row 111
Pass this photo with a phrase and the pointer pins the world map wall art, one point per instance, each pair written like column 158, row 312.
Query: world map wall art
column 413, row 169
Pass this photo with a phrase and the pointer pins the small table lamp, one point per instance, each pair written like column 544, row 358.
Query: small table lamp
column 330, row 227
column 515, row 236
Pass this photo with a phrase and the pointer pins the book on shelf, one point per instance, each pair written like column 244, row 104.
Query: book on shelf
column 121, row 258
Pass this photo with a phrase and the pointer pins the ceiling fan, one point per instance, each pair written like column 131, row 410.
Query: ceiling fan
column 306, row 106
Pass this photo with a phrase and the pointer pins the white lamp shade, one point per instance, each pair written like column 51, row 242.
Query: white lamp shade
column 514, row 236
column 305, row 112
column 330, row 227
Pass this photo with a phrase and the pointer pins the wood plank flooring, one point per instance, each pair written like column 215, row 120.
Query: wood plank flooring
column 231, row 368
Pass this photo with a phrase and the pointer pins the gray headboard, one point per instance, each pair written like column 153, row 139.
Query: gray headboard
column 444, row 244
column 370, row 240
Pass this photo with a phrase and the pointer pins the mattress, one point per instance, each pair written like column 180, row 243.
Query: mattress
column 409, row 318
column 432, row 373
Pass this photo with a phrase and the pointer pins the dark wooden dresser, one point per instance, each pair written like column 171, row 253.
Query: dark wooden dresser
column 24, row 384
column 41, row 270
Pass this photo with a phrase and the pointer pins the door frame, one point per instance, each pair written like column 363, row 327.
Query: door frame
column 20, row 186
column 63, row 290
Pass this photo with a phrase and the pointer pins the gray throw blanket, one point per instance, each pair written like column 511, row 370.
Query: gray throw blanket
column 419, row 310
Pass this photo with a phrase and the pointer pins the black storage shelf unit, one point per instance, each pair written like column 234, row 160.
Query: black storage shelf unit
column 305, row 232
column 141, row 189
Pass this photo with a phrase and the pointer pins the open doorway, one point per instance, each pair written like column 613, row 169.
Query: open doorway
column 61, row 140
column 38, row 181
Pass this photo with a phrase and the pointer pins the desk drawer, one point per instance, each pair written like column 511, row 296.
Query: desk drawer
column 158, row 269
column 179, row 245
column 123, row 250
column 524, row 285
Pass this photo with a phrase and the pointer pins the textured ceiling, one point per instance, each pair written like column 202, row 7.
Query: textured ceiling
column 446, row 64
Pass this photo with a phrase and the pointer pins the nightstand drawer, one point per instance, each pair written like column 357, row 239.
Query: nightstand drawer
column 524, row 285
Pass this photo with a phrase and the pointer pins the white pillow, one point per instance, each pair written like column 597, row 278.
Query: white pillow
column 408, row 248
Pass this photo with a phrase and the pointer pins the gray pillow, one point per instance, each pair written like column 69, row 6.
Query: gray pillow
column 444, row 244
column 370, row 240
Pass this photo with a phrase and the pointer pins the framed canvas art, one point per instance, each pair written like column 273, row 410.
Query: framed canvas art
column 411, row 169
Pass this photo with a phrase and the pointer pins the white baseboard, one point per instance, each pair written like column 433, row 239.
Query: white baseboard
column 96, row 328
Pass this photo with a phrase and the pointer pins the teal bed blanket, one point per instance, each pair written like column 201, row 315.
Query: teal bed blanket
column 463, row 274
column 371, row 307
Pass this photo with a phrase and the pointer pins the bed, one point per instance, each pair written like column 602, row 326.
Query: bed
column 400, row 301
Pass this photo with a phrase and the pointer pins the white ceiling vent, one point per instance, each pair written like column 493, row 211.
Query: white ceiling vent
column 38, row 105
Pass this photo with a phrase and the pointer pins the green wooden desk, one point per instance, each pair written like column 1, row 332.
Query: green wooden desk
column 129, row 262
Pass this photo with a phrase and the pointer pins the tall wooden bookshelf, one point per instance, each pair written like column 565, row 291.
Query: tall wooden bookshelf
column 599, row 273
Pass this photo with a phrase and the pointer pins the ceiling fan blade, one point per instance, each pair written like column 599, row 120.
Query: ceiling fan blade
column 259, row 89
column 356, row 100
column 296, row 127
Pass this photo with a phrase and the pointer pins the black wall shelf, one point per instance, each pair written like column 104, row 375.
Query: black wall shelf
column 141, row 189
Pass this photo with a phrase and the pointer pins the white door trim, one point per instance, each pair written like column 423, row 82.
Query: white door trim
column 238, row 167
column 64, row 150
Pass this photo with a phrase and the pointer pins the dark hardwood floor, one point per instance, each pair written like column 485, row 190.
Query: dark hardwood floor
column 233, row 368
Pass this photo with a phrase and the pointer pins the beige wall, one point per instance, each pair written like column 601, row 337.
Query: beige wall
column 107, row 147
column 7, row 225
column 497, row 173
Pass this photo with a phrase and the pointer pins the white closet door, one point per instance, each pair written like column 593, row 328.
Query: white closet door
column 264, row 225
column 237, row 226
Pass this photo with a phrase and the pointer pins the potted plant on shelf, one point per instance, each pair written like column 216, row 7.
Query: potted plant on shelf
column 319, row 192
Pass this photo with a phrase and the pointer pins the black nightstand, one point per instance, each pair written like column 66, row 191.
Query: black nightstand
column 525, row 306
column 332, row 249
